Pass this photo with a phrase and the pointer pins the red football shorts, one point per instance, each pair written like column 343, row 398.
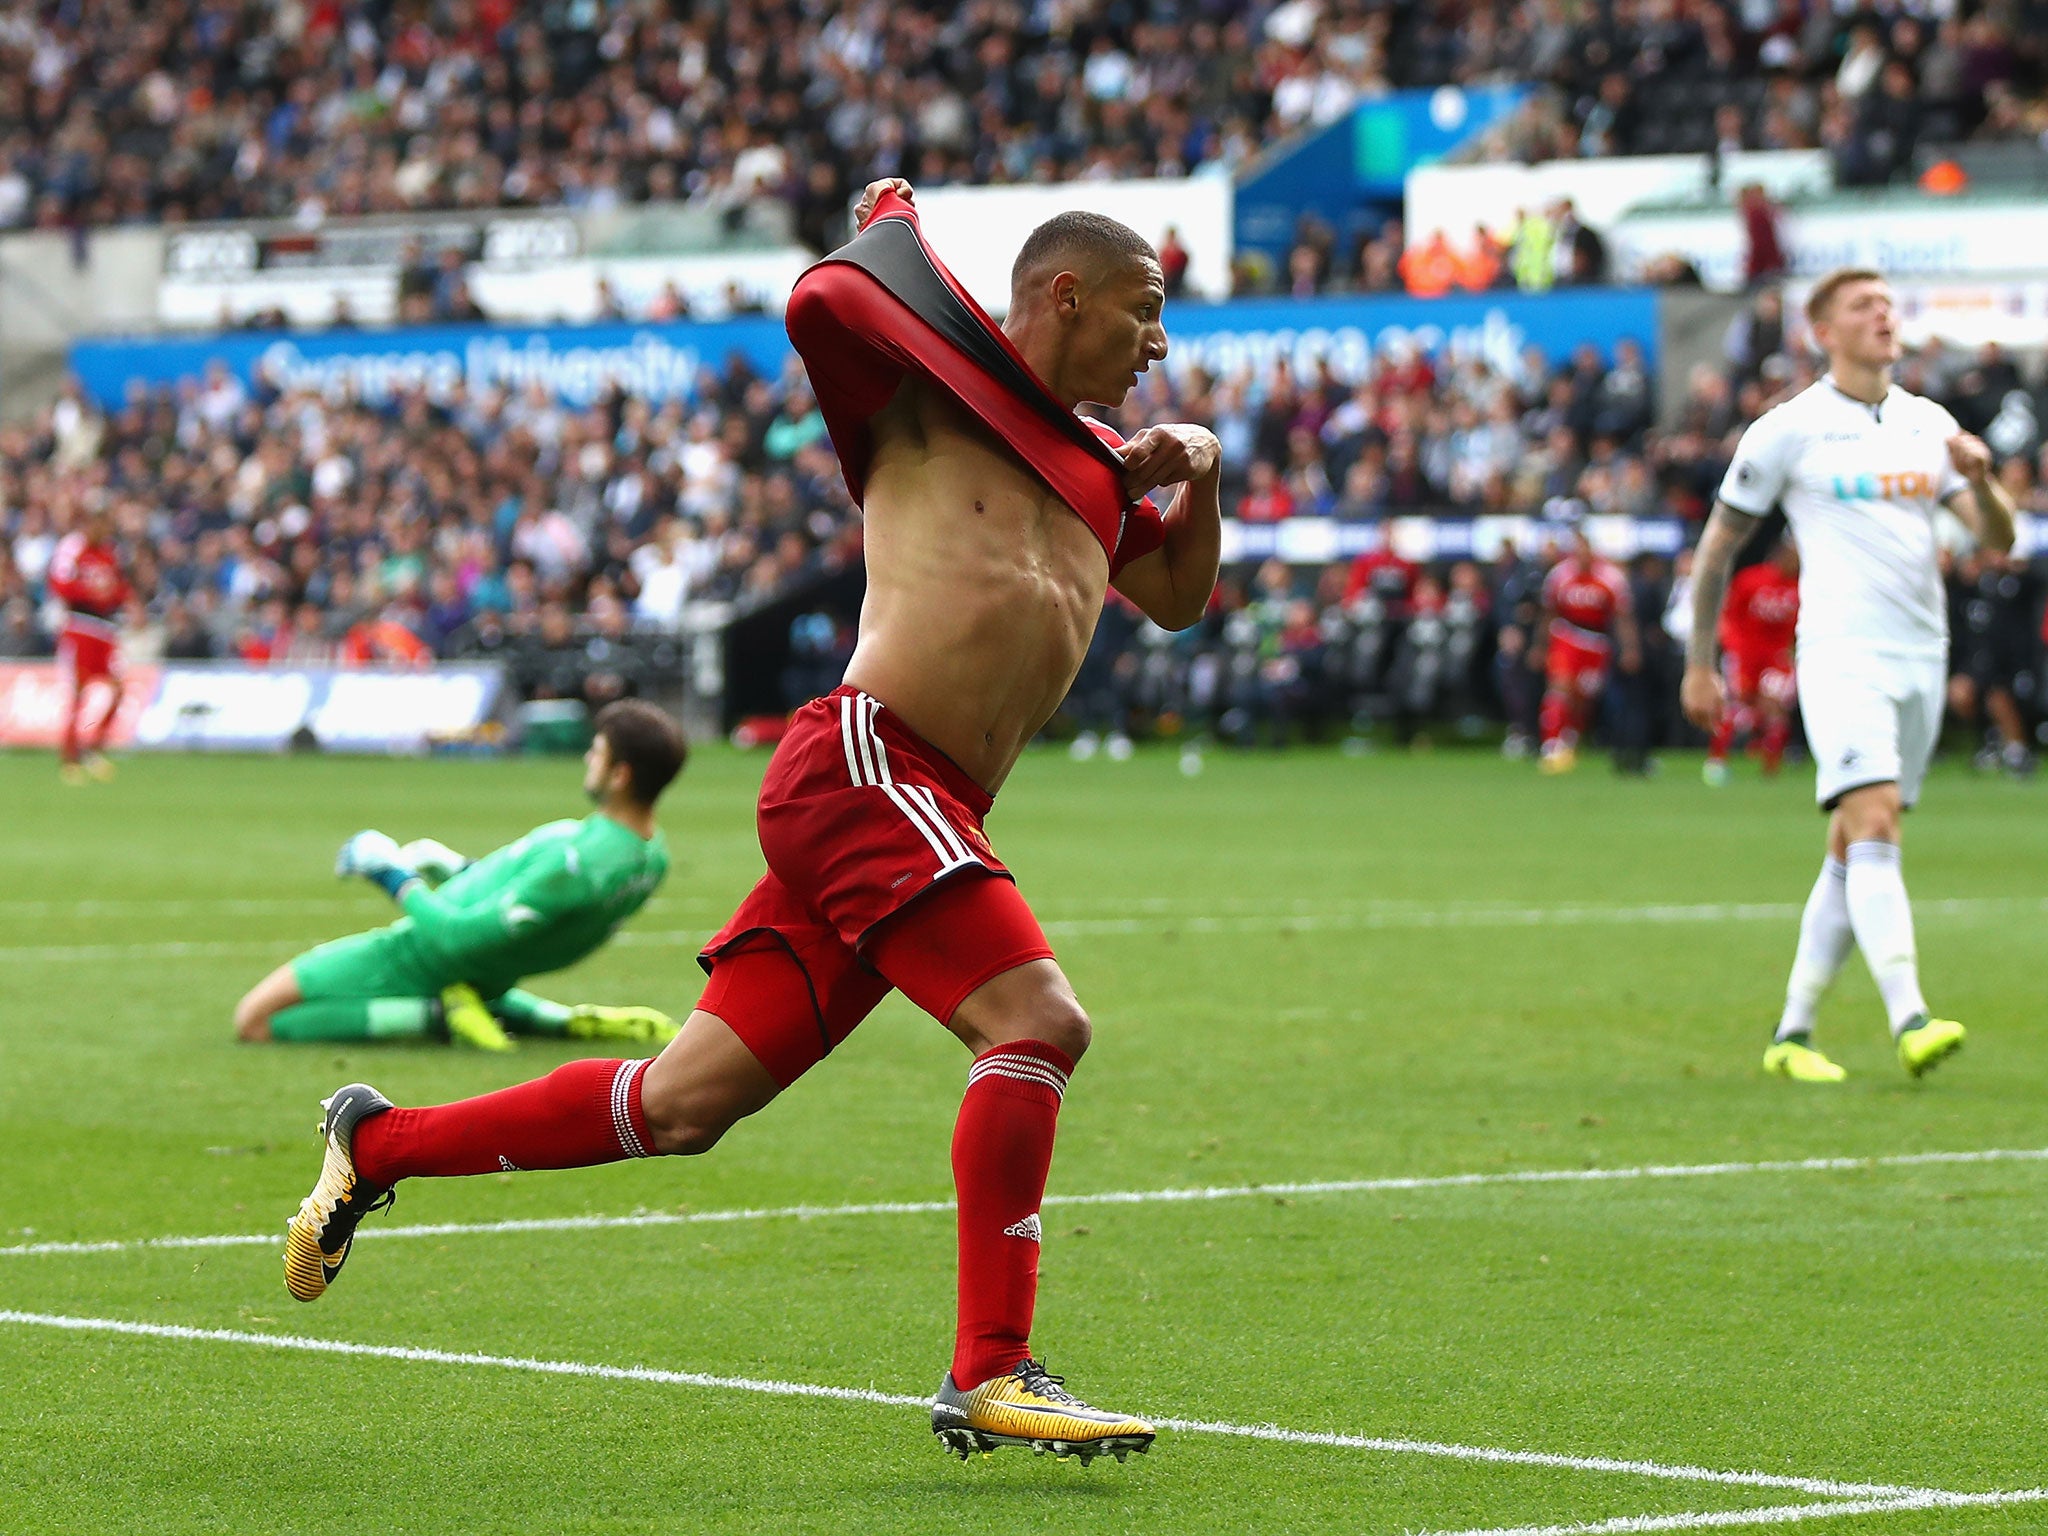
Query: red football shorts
column 90, row 657
column 1767, row 675
column 879, row 877
column 1574, row 664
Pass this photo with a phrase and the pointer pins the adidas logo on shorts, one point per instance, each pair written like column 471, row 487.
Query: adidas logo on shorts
column 1028, row 1227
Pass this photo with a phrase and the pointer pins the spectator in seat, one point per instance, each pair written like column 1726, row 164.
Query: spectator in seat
column 1266, row 498
column 1430, row 270
column 1763, row 248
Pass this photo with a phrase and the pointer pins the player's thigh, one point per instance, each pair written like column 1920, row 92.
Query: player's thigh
column 374, row 964
column 704, row 1082
column 970, row 953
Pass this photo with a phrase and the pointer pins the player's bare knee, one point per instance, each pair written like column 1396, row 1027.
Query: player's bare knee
column 683, row 1124
column 1870, row 816
column 684, row 1134
column 1062, row 1023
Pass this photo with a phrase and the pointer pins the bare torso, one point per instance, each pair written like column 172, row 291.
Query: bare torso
column 983, row 586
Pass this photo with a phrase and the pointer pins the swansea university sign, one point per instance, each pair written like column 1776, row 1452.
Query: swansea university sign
column 577, row 365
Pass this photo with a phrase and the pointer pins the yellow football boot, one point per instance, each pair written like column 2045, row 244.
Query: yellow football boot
column 470, row 1022
column 316, row 1243
column 1557, row 758
column 1925, row 1045
column 1801, row 1062
column 646, row 1026
column 1030, row 1407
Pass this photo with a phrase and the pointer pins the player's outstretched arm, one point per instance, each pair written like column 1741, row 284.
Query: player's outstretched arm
column 533, row 900
column 1171, row 585
column 1985, row 508
column 1702, row 693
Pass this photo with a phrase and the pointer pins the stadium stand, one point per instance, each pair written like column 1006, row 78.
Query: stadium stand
column 111, row 112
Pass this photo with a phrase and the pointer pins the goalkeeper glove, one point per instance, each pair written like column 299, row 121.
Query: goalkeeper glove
column 375, row 857
column 435, row 862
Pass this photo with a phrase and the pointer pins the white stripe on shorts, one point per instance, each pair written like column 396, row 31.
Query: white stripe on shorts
column 867, row 760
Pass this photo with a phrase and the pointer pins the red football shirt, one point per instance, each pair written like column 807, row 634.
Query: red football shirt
column 87, row 579
column 1586, row 599
column 1761, row 613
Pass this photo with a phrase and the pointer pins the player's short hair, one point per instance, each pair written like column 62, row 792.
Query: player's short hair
column 647, row 741
column 1822, row 298
column 1068, row 240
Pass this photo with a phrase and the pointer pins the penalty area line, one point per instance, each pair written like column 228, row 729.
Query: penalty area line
column 1530, row 1176
column 1262, row 1432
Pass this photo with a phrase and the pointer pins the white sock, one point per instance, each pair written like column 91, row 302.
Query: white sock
column 1883, row 920
column 1825, row 939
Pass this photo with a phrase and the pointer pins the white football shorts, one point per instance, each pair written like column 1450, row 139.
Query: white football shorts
column 1870, row 719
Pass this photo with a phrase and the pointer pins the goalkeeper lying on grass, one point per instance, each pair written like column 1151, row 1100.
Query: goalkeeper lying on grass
column 449, row 968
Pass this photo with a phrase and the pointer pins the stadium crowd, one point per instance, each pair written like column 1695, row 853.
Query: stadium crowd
column 267, row 525
column 113, row 112
column 575, row 545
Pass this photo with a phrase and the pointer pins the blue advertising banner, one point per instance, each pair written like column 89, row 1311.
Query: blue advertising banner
column 1350, row 332
column 1321, row 540
column 577, row 364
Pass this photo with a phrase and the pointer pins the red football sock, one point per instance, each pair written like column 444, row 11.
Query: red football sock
column 1724, row 737
column 585, row 1113
column 72, row 719
column 1776, row 734
column 106, row 725
column 1555, row 717
column 1002, row 1150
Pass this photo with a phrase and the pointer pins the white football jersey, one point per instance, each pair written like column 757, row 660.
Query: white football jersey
column 1861, row 485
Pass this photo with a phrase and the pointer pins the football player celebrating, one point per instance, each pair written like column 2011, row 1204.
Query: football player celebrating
column 86, row 576
column 1757, row 626
column 996, row 520
column 448, row 968
column 1861, row 467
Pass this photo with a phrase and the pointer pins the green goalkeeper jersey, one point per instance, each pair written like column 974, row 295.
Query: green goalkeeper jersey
column 537, row 904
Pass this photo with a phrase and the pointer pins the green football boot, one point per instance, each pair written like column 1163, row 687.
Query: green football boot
column 1927, row 1043
column 1798, row 1060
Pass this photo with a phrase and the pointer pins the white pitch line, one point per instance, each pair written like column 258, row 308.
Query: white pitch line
column 1265, row 1432
column 1366, row 920
column 246, row 906
column 172, row 949
column 1105, row 1197
column 1781, row 1514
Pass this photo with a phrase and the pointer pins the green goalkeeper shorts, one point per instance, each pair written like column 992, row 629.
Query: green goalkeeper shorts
column 381, row 963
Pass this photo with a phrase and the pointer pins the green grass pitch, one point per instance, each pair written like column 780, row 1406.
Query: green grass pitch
column 1303, row 969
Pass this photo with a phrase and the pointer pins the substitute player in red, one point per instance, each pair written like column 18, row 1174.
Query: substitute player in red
column 85, row 575
column 1757, row 628
column 996, row 521
column 1588, row 615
